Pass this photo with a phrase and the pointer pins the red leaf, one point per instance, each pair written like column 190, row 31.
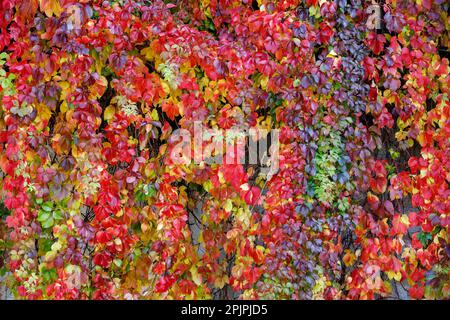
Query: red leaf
column 170, row 109
column 376, row 42
column 102, row 259
column 416, row 292
column 252, row 196
column 374, row 202
column 164, row 284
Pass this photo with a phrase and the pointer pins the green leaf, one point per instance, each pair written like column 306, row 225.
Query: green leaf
column 47, row 206
column 3, row 271
column 45, row 245
column 424, row 237
column 4, row 83
column 118, row 262
column 149, row 190
column 43, row 216
column 49, row 275
column 48, row 223
column 57, row 215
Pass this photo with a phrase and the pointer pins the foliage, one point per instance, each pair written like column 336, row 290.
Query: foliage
column 91, row 92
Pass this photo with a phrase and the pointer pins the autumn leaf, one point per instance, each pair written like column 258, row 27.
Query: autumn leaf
column 109, row 113
column 171, row 109
column 92, row 205
column 50, row 7
column 349, row 258
column 27, row 9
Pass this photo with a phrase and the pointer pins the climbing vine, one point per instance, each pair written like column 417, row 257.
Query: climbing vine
column 101, row 103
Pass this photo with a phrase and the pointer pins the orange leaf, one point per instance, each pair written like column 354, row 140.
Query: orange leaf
column 170, row 109
column 50, row 7
column 27, row 9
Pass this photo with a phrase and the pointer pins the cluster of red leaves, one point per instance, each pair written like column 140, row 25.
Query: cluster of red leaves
column 93, row 91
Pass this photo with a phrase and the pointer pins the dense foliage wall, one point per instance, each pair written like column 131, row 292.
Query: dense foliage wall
column 94, row 206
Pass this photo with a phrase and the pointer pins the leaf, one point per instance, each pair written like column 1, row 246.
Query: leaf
column 376, row 42
column 171, row 109
column 389, row 207
column 50, row 7
column 394, row 275
column 228, row 205
column 264, row 80
column 399, row 227
column 373, row 201
column 109, row 113
column 404, row 219
column 149, row 190
column 49, row 275
column 424, row 238
column 118, row 262
column 416, row 291
column 220, row 282
column 27, row 9
column 43, row 216
column 47, row 206
column 44, row 112
column 57, row 215
column 349, row 258
column 48, row 223
column 196, row 277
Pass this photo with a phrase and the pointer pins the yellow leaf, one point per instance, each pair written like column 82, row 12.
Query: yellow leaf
column 349, row 258
column 208, row 94
column 50, row 7
column 332, row 54
column 260, row 248
column 148, row 53
column 404, row 219
column 400, row 135
column 228, row 205
column 75, row 151
column 196, row 277
column 64, row 89
column 200, row 238
column 144, row 227
column 207, row 185
column 154, row 115
column 30, row 156
column 388, row 285
column 410, row 142
column 221, row 177
column 165, row 87
column 56, row 246
column 394, row 275
column 421, row 139
column 63, row 108
column 44, row 112
column 109, row 113
column 245, row 187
